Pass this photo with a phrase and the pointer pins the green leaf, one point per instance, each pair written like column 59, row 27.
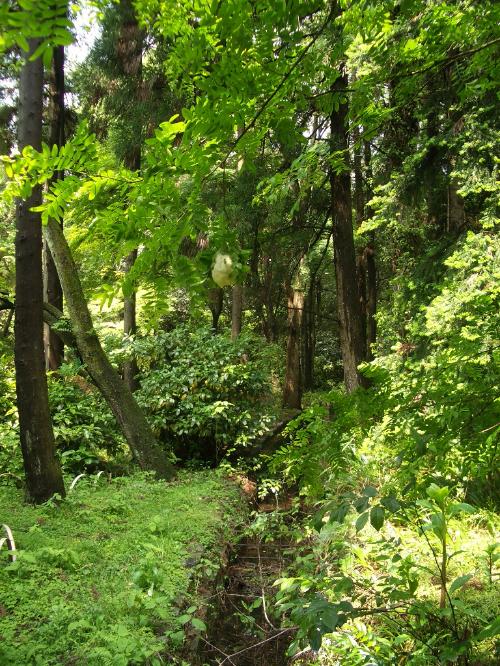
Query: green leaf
column 437, row 494
column 370, row 491
column 361, row 521
column 198, row 624
column 184, row 619
column 461, row 507
column 23, row 42
column 490, row 631
column 459, row 582
column 377, row 517
column 39, row 51
column 390, row 503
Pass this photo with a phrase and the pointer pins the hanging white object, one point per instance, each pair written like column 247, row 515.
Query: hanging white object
column 222, row 271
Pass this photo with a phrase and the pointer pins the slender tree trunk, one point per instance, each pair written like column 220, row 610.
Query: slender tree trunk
column 130, row 369
column 370, row 265
column 54, row 346
column 215, row 303
column 456, row 210
column 309, row 335
column 348, row 305
column 129, row 53
column 132, row 421
column 292, row 393
column 236, row 310
column 43, row 472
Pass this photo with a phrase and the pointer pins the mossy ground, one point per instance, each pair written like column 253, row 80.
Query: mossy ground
column 111, row 575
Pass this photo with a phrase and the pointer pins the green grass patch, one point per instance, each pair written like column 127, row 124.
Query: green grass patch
column 112, row 575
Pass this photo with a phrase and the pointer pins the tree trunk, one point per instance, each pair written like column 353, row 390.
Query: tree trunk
column 371, row 299
column 309, row 335
column 215, row 303
column 129, row 53
column 348, row 306
column 130, row 369
column 456, row 209
column 236, row 310
column 132, row 421
column 370, row 265
column 54, row 346
column 292, row 393
column 43, row 472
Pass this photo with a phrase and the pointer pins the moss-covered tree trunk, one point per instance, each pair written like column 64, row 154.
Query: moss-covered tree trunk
column 43, row 472
column 131, row 419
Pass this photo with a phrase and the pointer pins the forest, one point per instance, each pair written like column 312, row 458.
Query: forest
column 249, row 317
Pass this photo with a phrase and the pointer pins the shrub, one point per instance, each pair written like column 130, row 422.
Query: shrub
column 202, row 392
column 84, row 428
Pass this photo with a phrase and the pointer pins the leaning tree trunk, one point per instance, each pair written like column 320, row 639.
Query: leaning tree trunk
column 43, row 472
column 132, row 421
column 348, row 305
column 54, row 346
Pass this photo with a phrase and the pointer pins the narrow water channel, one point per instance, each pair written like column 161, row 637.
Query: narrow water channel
column 244, row 630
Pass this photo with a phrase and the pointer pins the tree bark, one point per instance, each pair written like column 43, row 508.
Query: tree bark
column 359, row 207
column 370, row 265
column 348, row 305
column 456, row 209
column 292, row 393
column 236, row 310
column 132, row 421
column 129, row 53
column 309, row 335
column 54, row 346
column 43, row 472
column 130, row 369
column 215, row 303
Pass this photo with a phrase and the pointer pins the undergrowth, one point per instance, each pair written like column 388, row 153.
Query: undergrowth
column 118, row 569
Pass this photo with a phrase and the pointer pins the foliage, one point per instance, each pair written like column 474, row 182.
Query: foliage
column 43, row 19
column 10, row 454
column 391, row 582
column 202, row 392
column 437, row 388
column 114, row 566
column 322, row 441
column 85, row 430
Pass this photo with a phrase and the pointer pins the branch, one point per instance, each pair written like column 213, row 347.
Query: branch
column 451, row 58
column 285, row 78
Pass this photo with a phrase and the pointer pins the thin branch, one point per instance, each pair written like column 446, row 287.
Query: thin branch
column 285, row 78
column 452, row 58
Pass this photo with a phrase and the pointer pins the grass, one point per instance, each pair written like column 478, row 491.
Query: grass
column 105, row 576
